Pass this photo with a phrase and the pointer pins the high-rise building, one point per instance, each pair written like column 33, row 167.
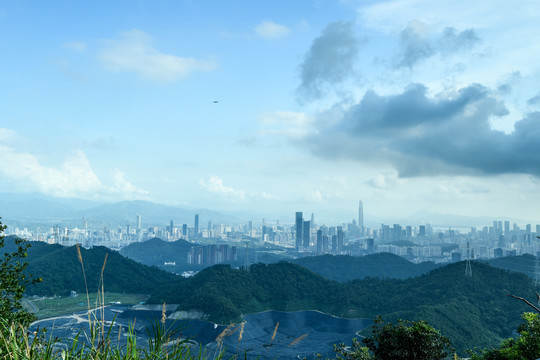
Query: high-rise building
column 306, row 234
column 319, row 241
column 299, row 227
column 184, row 230
column 171, row 228
column 334, row 244
column 139, row 221
column 370, row 245
column 196, row 230
column 422, row 231
column 325, row 243
column 361, row 217
column 340, row 237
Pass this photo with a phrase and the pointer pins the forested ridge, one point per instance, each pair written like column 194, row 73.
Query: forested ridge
column 61, row 271
column 345, row 267
column 472, row 311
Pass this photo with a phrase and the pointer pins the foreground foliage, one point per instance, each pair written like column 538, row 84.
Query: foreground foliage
column 13, row 281
column 407, row 341
column 524, row 347
column 16, row 343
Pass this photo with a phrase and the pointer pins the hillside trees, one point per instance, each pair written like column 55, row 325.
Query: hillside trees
column 406, row 340
column 13, row 281
column 526, row 346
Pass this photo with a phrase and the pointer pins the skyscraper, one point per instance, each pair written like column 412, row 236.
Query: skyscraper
column 306, row 234
column 196, row 230
column 184, row 230
column 299, row 227
column 361, row 217
column 139, row 222
column 340, row 237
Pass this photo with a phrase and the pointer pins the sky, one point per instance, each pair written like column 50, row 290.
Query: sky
column 412, row 106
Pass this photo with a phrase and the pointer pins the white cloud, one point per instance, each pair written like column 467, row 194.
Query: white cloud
column 6, row 134
column 215, row 185
column 271, row 30
column 287, row 123
column 125, row 188
column 73, row 178
column 397, row 13
column 267, row 196
column 384, row 181
column 133, row 52
column 285, row 117
column 75, row 45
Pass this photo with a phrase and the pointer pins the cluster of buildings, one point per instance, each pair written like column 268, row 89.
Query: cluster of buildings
column 305, row 238
column 211, row 254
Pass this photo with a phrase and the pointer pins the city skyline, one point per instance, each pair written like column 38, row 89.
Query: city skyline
column 410, row 106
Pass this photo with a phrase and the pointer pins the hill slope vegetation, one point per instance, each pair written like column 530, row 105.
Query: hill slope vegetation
column 472, row 311
column 346, row 268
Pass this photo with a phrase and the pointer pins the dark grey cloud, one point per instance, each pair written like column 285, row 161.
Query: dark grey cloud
column 416, row 46
column 329, row 61
column 452, row 41
column 535, row 100
column 508, row 82
column 421, row 135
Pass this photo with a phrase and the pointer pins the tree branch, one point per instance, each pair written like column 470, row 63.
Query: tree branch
column 526, row 302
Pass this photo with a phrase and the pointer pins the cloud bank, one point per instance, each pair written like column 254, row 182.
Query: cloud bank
column 418, row 44
column 271, row 30
column 74, row 178
column 422, row 135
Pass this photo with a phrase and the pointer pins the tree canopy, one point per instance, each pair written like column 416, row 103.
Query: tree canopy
column 13, row 281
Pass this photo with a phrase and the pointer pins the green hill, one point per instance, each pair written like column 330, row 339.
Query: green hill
column 156, row 251
column 61, row 271
column 225, row 293
column 523, row 263
column 472, row 311
column 346, row 268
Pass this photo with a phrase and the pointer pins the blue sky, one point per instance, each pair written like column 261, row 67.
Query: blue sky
column 409, row 105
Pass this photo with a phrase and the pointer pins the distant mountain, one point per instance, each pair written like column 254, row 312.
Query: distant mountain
column 125, row 212
column 525, row 264
column 471, row 311
column 381, row 265
column 29, row 210
column 39, row 210
column 61, row 271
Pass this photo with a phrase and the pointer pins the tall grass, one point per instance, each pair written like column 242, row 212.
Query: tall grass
column 16, row 343
column 164, row 342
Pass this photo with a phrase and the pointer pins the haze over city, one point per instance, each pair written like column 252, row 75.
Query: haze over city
column 411, row 106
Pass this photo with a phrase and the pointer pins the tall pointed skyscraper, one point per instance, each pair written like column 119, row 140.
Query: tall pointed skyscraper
column 361, row 217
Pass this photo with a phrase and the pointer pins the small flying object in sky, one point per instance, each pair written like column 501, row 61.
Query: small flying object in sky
column 215, row 101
